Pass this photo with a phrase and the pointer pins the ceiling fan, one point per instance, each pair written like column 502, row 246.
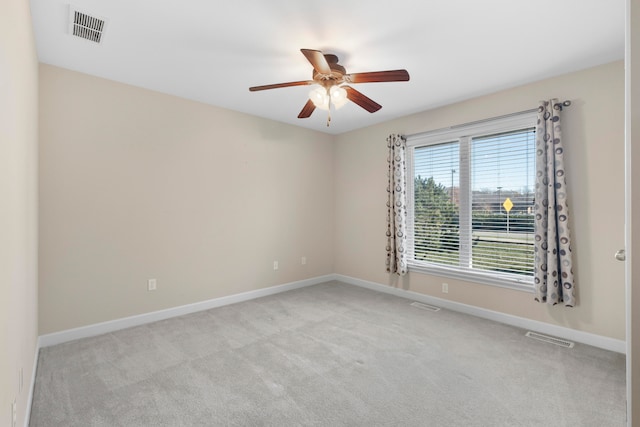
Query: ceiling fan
column 334, row 90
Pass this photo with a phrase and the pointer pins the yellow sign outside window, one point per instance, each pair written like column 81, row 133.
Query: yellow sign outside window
column 507, row 205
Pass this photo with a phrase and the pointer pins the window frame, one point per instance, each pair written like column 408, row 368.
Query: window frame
column 463, row 135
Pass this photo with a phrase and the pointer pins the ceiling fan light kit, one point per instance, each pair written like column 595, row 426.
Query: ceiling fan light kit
column 322, row 98
column 333, row 90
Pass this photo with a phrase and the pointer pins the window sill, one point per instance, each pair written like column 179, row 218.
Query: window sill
column 475, row 277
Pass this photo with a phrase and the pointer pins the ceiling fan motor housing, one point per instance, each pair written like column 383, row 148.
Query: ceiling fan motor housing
column 336, row 76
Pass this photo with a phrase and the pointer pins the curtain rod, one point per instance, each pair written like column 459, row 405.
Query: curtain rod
column 559, row 105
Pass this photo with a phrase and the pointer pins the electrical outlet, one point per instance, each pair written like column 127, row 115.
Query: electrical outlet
column 152, row 284
column 275, row 265
column 303, row 261
column 445, row 288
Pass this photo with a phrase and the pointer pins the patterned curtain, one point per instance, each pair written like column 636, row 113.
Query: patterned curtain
column 397, row 206
column 553, row 272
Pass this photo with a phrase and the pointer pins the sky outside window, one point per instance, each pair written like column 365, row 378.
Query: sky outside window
column 497, row 162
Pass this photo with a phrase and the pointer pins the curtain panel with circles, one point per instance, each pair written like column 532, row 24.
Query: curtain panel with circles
column 397, row 206
column 553, row 267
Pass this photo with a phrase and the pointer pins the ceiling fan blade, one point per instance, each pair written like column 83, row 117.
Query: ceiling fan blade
column 278, row 85
column 318, row 60
column 365, row 102
column 378, row 77
column 307, row 110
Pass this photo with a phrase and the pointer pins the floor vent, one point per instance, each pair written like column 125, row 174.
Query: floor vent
column 86, row 26
column 425, row 306
column 550, row 340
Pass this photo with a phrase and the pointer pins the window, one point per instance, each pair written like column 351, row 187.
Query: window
column 471, row 201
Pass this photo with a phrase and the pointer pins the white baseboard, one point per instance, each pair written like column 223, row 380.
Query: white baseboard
column 594, row 340
column 32, row 384
column 141, row 319
column 599, row 341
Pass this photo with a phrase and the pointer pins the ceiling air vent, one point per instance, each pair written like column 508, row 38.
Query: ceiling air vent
column 86, row 26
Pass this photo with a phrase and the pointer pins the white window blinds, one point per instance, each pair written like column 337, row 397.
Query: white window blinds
column 471, row 207
column 502, row 184
column 436, row 203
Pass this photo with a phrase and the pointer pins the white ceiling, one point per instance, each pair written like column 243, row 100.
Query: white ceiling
column 212, row 50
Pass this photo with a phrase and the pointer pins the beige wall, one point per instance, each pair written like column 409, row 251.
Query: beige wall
column 18, row 205
column 136, row 185
column 633, row 211
column 593, row 129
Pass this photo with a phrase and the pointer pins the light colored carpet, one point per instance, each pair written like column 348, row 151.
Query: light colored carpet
column 327, row 355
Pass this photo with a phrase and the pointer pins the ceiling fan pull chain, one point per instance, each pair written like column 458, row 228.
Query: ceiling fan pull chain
column 328, row 109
